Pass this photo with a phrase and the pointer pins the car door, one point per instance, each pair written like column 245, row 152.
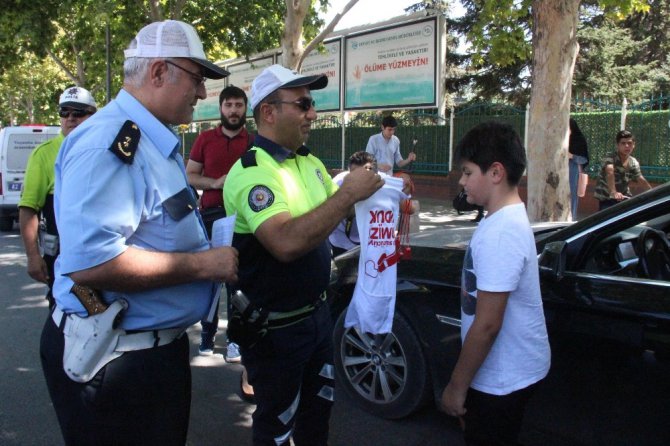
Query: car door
column 609, row 327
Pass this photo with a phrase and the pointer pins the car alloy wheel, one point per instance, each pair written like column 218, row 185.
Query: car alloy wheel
column 385, row 373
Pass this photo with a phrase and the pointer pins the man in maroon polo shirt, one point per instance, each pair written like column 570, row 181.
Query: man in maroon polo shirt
column 213, row 154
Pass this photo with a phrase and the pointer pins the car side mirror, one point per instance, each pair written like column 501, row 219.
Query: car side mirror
column 552, row 260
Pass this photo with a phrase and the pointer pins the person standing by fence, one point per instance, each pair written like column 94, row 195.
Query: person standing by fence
column 385, row 147
column 578, row 154
column 618, row 170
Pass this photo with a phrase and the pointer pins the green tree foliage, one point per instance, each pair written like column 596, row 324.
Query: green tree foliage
column 435, row 6
column 654, row 22
column 624, row 58
column 496, row 64
column 29, row 92
column 71, row 34
column 505, row 33
column 66, row 37
column 241, row 29
column 608, row 67
column 617, row 58
column 23, row 24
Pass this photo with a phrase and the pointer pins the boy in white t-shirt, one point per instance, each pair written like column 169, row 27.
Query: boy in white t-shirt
column 505, row 345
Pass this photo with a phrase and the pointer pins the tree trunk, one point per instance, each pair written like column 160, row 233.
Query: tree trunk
column 296, row 11
column 30, row 103
column 177, row 9
column 155, row 10
column 555, row 50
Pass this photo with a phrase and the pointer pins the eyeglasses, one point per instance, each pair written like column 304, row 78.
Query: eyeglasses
column 197, row 78
column 304, row 104
column 64, row 113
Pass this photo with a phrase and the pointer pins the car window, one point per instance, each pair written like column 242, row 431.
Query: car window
column 619, row 253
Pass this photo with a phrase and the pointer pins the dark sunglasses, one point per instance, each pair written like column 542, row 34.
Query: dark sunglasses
column 74, row 113
column 304, row 104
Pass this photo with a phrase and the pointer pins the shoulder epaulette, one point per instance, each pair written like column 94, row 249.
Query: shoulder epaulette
column 249, row 159
column 126, row 142
column 250, row 140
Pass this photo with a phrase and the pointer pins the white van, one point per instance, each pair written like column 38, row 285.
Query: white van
column 16, row 145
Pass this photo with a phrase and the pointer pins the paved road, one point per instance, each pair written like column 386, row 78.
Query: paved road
column 218, row 415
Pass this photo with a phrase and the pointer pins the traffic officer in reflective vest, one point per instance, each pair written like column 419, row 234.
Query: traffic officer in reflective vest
column 286, row 206
column 36, row 207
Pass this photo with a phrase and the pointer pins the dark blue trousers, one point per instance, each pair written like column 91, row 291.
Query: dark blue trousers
column 291, row 370
column 142, row 397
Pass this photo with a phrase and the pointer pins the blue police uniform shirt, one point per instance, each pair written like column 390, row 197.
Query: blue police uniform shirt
column 104, row 205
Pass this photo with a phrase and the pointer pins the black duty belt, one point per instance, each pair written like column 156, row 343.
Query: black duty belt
column 278, row 319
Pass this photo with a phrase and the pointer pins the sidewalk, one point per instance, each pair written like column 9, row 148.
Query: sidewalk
column 433, row 213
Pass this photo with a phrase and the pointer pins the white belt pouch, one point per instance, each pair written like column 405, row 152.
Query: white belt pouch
column 90, row 342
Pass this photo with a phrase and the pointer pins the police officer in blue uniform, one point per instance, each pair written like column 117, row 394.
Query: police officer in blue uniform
column 286, row 207
column 131, row 235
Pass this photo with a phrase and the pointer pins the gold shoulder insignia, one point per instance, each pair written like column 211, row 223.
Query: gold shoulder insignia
column 126, row 142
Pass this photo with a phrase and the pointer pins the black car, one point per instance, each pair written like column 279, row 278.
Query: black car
column 606, row 292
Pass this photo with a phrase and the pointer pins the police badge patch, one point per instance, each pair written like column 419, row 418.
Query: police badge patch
column 260, row 197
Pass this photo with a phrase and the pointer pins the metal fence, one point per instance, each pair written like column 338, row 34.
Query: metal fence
column 433, row 137
column 648, row 121
column 425, row 134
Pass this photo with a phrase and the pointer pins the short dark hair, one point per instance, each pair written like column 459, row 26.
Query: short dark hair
column 624, row 134
column 272, row 97
column 361, row 158
column 389, row 121
column 232, row 92
column 491, row 142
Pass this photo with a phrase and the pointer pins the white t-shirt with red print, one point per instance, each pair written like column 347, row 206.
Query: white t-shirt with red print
column 372, row 306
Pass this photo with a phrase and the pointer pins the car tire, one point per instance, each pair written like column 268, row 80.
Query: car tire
column 385, row 374
column 6, row 224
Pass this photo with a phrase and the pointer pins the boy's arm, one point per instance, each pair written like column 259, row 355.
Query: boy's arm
column 483, row 332
column 411, row 156
column 611, row 183
column 643, row 181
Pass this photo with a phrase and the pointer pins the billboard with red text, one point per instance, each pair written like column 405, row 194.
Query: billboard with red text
column 394, row 67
